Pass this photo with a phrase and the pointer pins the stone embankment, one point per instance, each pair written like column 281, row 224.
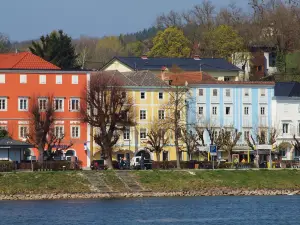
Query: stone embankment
column 111, row 195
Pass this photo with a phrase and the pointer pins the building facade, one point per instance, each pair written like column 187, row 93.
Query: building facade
column 286, row 117
column 245, row 106
column 25, row 78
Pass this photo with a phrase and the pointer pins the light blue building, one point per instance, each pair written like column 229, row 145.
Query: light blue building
column 245, row 106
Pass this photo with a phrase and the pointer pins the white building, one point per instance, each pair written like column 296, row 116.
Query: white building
column 286, row 117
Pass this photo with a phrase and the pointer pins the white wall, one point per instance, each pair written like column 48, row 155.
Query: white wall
column 270, row 70
column 287, row 110
column 116, row 65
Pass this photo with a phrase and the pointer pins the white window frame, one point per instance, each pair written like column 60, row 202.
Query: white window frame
column 74, row 109
column 5, row 103
column 161, row 114
column 285, row 131
column 59, row 131
column 75, row 79
column 214, row 110
column 2, row 78
column 143, row 93
column 44, row 106
column 20, row 99
column 246, row 114
column 23, row 79
column 143, row 110
column 215, row 90
column 162, row 95
column 143, row 129
column 22, row 135
column 126, row 134
column 201, row 107
column 227, row 90
column 58, row 79
column 43, row 79
column 75, row 126
column 62, row 105
column 201, row 89
column 229, row 110
column 262, row 110
column 262, row 92
column 3, row 127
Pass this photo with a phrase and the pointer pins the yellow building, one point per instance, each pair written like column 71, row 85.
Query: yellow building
column 150, row 96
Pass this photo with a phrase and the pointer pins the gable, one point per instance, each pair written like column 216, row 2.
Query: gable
column 117, row 65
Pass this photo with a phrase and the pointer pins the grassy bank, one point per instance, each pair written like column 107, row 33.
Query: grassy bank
column 157, row 181
column 184, row 181
column 42, row 183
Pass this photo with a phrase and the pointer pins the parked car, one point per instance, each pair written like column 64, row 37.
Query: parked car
column 98, row 165
column 135, row 163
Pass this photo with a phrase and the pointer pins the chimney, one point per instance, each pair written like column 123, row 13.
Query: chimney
column 144, row 56
column 164, row 70
column 196, row 57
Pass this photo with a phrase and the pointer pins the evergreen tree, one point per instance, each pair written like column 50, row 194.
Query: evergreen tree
column 56, row 48
column 280, row 61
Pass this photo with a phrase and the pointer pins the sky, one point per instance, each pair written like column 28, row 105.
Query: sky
column 29, row 19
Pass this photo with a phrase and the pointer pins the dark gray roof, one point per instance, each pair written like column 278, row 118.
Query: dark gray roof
column 136, row 78
column 10, row 143
column 287, row 89
column 186, row 64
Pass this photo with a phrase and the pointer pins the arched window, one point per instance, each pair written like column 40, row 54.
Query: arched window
column 69, row 153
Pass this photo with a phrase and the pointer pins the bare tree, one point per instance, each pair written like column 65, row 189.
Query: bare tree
column 42, row 133
column 176, row 107
column 191, row 141
column 106, row 106
column 227, row 140
column 158, row 139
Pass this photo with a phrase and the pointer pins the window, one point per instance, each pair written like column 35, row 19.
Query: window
column 43, row 104
column 246, row 110
column 201, row 110
column 59, row 131
column 227, row 110
column 43, row 79
column 285, row 128
column 297, row 153
column 263, row 137
column 23, row 78
column 23, row 131
column 58, row 79
column 161, row 114
column 214, row 110
column 246, row 92
column 227, row 92
column 160, row 95
column 262, row 110
column 143, row 133
column 59, row 104
column 226, row 78
column 126, row 134
column 74, row 104
column 262, row 92
column 74, row 79
column 298, row 128
column 200, row 92
column 260, row 68
column 3, row 104
column 215, row 135
column 282, row 153
column 246, row 135
column 23, row 104
column 143, row 114
column 2, row 78
column 143, row 95
column 215, row 92
column 75, row 131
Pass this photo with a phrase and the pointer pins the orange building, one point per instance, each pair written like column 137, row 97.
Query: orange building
column 24, row 76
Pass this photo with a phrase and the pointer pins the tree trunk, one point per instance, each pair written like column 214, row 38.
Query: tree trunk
column 109, row 159
column 158, row 156
column 229, row 156
column 177, row 154
column 41, row 154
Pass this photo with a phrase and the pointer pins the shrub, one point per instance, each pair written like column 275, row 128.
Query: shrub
column 7, row 166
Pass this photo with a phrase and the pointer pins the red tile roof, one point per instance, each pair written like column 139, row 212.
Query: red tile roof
column 25, row 60
column 189, row 77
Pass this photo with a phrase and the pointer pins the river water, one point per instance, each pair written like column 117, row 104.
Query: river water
column 192, row 210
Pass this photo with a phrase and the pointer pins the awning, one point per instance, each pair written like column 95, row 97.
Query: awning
column 10, row 143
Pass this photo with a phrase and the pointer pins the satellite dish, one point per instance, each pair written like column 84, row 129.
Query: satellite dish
column 206, row 137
